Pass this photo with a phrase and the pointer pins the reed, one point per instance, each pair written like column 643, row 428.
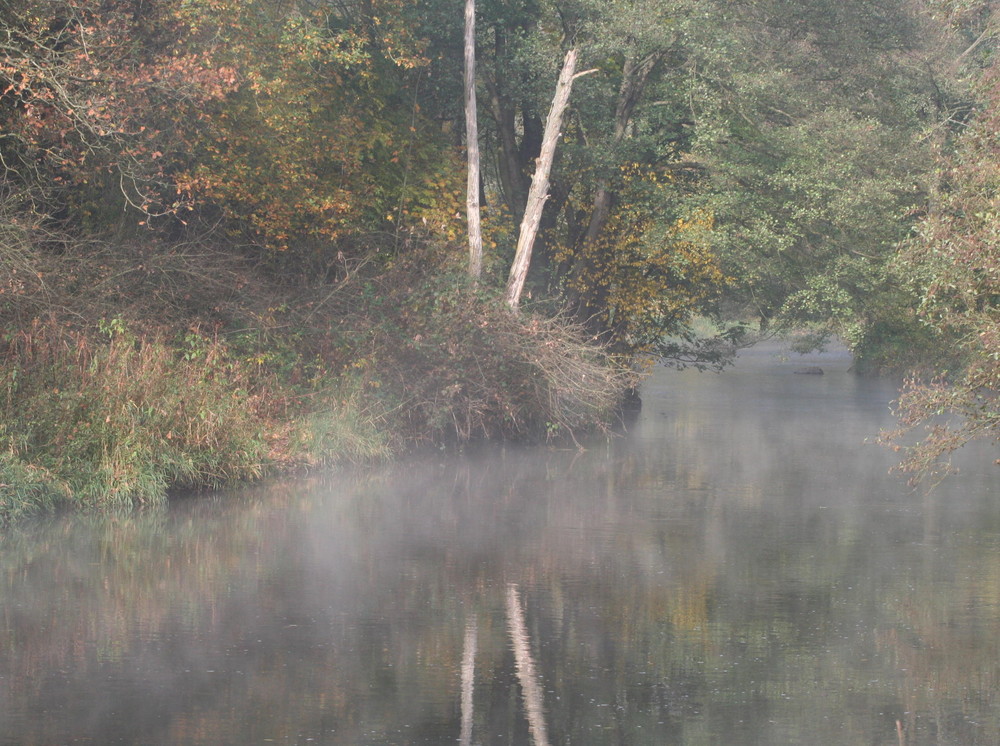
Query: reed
column 119, row 421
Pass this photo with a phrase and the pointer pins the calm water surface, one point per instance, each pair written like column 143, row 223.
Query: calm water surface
column 739, row 569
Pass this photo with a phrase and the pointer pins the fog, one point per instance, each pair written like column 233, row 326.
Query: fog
column 738, row 567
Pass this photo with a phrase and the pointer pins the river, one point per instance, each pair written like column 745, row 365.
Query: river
column 738, row 568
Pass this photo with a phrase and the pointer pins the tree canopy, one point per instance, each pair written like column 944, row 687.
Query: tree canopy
column 784, row 163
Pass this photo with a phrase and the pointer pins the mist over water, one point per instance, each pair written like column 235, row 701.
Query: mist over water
column 739, row 568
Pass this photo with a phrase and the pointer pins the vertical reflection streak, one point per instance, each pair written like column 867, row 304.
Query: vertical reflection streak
column 468, row 678
column 525, row 666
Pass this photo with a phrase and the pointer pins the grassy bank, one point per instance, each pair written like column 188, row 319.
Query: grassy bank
column 118, row 421
column 133, row 372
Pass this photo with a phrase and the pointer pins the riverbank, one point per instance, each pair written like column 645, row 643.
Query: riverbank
column 144, row 369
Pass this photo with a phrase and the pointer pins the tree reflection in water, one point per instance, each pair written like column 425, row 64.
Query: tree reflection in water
column 719, row 576
column 468, row 679
column 526, row 675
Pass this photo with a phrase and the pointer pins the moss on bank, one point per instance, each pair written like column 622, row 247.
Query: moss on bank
column 109, row 401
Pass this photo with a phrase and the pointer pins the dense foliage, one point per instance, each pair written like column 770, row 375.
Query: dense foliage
column 260, row 202
column 953, row 262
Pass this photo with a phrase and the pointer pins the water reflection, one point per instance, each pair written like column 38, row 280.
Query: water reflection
column 740, row 569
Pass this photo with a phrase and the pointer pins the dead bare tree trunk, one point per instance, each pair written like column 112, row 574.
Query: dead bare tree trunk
column 539, row 191
column 472, row 144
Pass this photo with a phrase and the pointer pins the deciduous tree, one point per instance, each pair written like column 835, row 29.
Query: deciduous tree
column 816, row 123
column 953, row 263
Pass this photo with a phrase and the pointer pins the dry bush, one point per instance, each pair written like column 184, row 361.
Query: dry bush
column 450, row 361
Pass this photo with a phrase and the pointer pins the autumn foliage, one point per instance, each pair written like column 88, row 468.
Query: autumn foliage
column 954, row 265
column 91, row 95
column 292, row 126
column 644, row 278
column 268, row 196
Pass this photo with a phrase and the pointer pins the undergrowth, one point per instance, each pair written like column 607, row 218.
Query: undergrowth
column 119, row 421
column 128, row 373
column 450, row 362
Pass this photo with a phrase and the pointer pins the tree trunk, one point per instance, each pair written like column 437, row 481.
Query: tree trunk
column 634, row 78
column 509, row 166
column 539, row 191
column 472, row 145
column 513, row 185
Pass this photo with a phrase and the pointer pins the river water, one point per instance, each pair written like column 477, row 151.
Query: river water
column 739, row 568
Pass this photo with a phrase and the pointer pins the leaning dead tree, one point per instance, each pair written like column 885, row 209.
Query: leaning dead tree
column 539, row 191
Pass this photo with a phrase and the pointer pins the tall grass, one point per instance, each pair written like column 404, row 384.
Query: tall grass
column 118, row 421
column 26, row 489
column 121, row 421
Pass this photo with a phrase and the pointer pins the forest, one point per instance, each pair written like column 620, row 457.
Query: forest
column 235, row 234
